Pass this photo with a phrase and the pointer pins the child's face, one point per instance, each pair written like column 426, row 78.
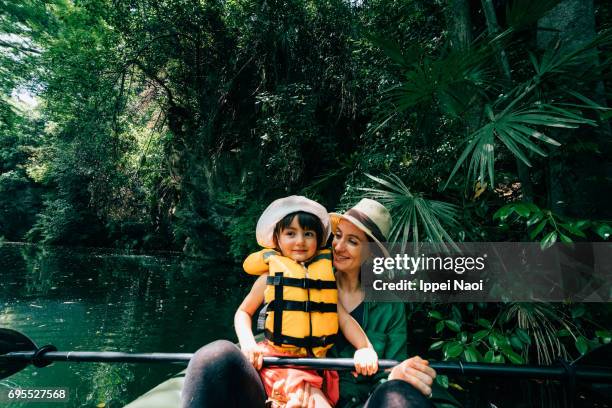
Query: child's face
column 297, row 243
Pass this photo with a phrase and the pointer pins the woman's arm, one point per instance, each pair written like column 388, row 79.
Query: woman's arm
column 242, row 322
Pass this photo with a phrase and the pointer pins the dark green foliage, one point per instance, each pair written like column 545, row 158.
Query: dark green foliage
column 172, row 121
column 447, row 124
column 510, row 333
column 20, row 196
column 548, row 227
column 171, row 124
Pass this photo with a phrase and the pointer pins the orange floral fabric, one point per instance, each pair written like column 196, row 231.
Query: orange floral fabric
column 294, row 379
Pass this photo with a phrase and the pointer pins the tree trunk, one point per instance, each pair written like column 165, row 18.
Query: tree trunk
column 459, row 24
column 576, row 179
column 573, row 22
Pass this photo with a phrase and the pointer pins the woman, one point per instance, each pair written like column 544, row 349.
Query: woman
column 219, row 375
column 357, row 233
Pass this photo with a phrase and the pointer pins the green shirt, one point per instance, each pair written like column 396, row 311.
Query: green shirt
column 385, row 326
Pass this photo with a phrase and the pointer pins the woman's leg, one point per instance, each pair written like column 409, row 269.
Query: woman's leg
column 397, row 394
column 219, row 375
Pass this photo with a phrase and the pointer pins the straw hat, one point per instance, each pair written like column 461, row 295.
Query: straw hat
column 283, row 207
column 371, row 217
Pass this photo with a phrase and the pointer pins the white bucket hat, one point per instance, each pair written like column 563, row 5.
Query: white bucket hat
column 283, row 207
column 371, row 217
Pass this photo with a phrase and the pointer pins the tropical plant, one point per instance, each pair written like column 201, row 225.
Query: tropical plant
column 415, row 217
column 498, row 106
column 547, row 226
column 462, row 82
column 518, row 333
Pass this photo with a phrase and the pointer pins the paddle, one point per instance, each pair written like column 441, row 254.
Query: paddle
column 17, row 351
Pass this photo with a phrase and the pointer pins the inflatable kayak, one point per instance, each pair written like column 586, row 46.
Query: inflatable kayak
column 168, row 393
column 165, row 395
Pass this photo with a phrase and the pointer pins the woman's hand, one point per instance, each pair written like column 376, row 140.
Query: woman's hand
column 416, row 372
column 254, row 353
column 366, row 361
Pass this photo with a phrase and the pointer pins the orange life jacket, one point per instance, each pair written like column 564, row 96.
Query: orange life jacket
column 302, row 301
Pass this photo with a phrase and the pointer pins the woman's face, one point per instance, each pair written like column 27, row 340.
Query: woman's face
column 350, row 246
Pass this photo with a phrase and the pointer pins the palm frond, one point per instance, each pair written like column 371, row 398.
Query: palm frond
column 515, row 130
column 412, row 214
column 404, row 57
column 454, row 81
column 587, row 103
column 555, row 60
column 542, row 321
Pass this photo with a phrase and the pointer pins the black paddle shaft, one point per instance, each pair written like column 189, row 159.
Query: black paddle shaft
column 17, row 351
column 179, row 358
column 560, row 372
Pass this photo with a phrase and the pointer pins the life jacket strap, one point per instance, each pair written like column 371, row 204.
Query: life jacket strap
column 304, row 283
column 297, row 306
column 308, row 342
column 279, row 304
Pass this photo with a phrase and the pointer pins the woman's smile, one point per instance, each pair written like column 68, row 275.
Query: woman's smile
column 340, row 258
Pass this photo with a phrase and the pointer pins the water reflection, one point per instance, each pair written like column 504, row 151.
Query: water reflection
column 100, row 300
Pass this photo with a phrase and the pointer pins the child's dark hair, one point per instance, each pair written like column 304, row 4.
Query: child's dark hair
column 305, row 220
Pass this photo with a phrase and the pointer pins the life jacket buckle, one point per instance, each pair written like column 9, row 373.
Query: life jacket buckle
column 277, row 280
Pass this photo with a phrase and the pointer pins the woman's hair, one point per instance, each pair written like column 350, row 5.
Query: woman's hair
column 375, row 252
column 305, row 220
column 374, row 248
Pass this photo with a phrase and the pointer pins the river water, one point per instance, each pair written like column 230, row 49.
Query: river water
column 83, row 299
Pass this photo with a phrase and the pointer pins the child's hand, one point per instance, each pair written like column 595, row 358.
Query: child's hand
column 254, row 353
column 366, row 361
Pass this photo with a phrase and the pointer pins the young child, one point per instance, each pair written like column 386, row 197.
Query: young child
column 303, row 313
